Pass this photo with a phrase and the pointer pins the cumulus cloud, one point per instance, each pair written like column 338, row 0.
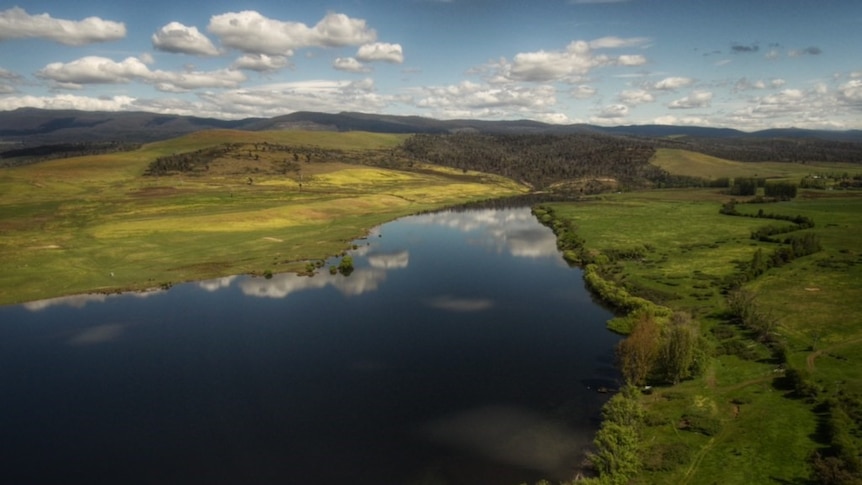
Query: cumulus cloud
column 94, row 70
column 631, row 60
column 16, row 23
column 101, row 70
column 260, row 63
column 476, row 96
column 7, row 81
column 178, row 38
column 543, row 66
column 349, row 64
column 618, row 42
column 697, row 99
column 381, row 51
column 745, row 84
column 253, row 33
column 635, row 97
column 583, row 91
column 315, row 95
column 784, row 101
column 673, row 83
column 613, row 111
column 68, row 101
column 685, row 120
column 190, row 80
column 851, row 91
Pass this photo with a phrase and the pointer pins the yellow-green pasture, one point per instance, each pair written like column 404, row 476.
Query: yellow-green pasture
column 97, row 224
column 694, row 164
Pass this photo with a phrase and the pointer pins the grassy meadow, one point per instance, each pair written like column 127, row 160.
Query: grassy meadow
column 98, row 224
column 737, row 422
column 694, row 164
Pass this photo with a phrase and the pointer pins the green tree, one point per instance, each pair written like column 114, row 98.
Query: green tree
column 616, row 457
column 639, row 352
column 680, row 347
column 345, row 267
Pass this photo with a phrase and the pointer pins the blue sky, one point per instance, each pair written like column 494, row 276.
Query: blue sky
column 743, row 64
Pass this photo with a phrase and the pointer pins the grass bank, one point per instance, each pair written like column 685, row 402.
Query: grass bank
column 748, row 416
column 99, row 224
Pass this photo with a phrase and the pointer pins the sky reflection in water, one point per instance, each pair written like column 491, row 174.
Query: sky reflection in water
column 459, row 350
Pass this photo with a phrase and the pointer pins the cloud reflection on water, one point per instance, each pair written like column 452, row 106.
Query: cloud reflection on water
column 97, row 335
column 512, row 435
column 80, row 301
column 217, row 284
column 397, row 260
column 456, row 304
column 514, row 231
column 282, row 285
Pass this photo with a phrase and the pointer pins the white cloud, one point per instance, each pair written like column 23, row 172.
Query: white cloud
column 67, row 101
column 613, row 112
column 635, row 97
column 745, row 84
column 673, row 83
column 169, row 81
column 851, row 91
column 349, row 64
column 260, row 63
column 583, row 92
column 9, row 75
column 16, row 23
column 618, row 42
column 697, row 99
column 543, row 66
column 101, row 70
column 631, row 60
column 381, row 51
column 475, row 96
column 178, row 38
column 94, row 70
column 316, row 95
column 251, row 32
column 685, row 120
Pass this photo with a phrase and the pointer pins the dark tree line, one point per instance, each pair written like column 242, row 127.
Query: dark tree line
column 793, row 150
column 198, row 160
column 32, row 154
column 791, row 247
column 542, row 160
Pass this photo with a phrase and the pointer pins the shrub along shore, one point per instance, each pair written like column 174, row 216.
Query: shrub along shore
column 740, row 349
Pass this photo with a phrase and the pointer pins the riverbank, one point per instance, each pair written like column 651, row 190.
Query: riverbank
column 99, row 224
column 754, row 411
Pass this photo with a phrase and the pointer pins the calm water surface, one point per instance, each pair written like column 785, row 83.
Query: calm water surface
column 461, row 350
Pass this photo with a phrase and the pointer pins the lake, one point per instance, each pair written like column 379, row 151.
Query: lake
column 461, row 350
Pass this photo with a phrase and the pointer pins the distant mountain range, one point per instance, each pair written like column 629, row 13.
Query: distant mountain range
column 30, row 126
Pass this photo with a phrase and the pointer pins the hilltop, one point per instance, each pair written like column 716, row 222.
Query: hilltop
column 31, row 126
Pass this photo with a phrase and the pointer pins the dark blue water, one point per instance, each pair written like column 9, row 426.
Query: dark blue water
column 461, row 350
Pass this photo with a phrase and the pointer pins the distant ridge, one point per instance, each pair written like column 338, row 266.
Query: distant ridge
column 31, row 126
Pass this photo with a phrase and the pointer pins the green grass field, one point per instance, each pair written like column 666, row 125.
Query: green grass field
column 97, row 224
column 762, row 434
column 693, row 164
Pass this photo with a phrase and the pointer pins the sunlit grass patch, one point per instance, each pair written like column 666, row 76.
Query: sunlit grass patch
column 694, row 164
column 98, row 224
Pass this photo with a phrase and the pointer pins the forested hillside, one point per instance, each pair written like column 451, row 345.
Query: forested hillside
column 543, row 160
